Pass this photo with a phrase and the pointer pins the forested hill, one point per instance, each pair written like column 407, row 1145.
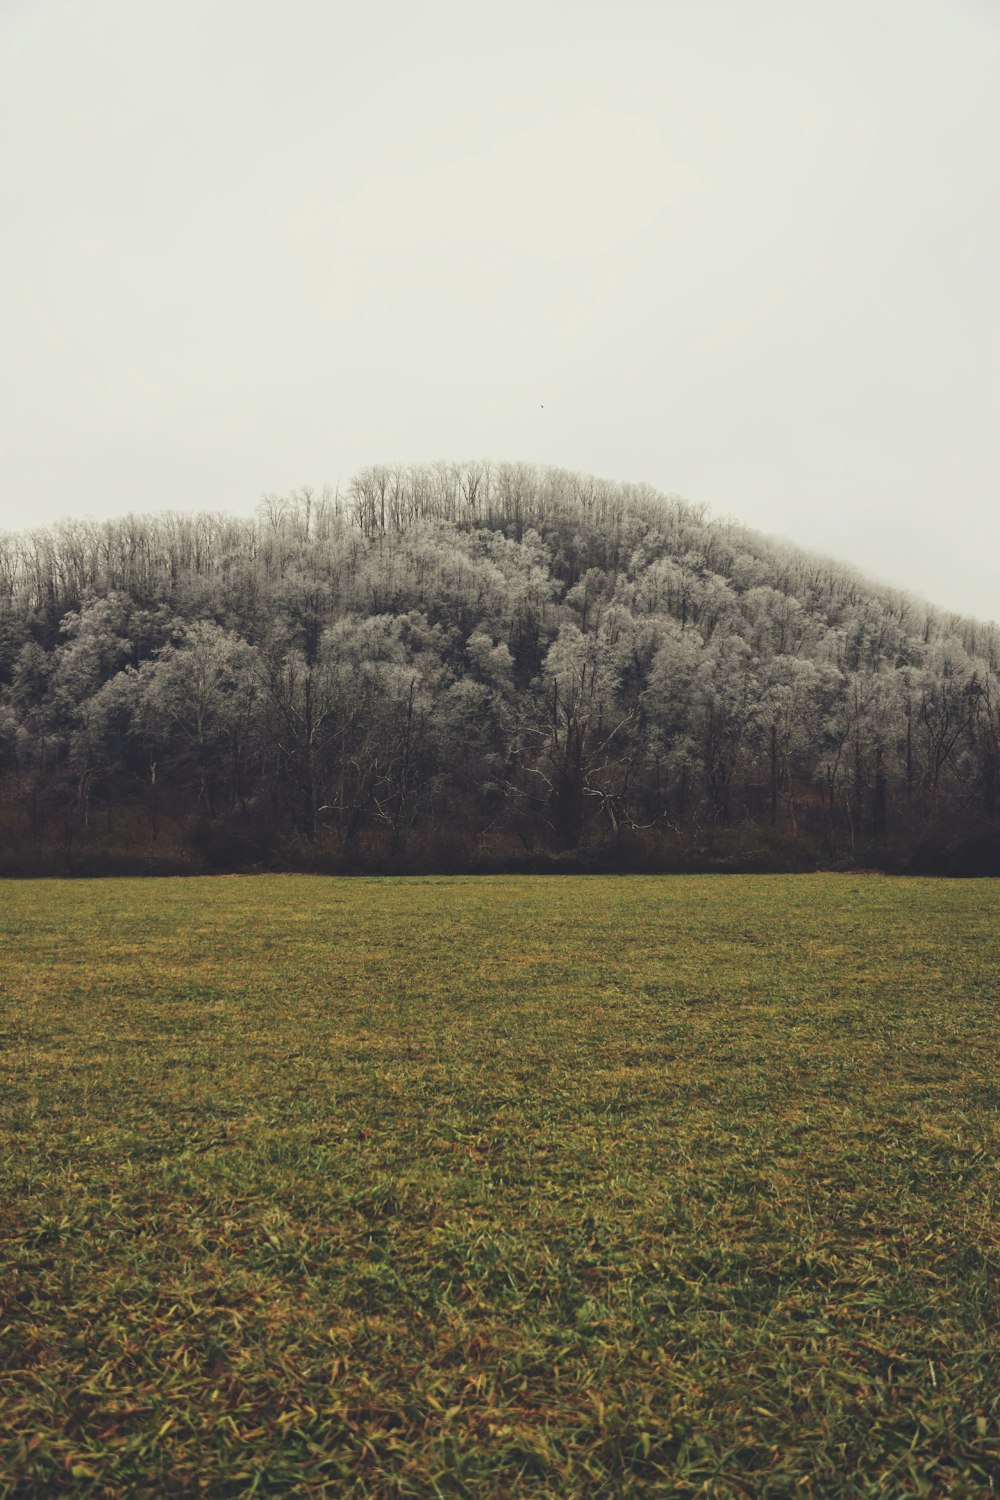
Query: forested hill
column 480, row 666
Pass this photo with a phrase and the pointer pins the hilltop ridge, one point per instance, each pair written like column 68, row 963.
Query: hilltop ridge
column 466, row 666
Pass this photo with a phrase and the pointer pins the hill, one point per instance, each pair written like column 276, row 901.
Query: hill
column 481, row 667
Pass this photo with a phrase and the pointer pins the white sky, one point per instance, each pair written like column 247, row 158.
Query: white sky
column 744, row 250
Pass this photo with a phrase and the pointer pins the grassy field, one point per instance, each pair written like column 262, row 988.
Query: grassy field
column 499, row 1187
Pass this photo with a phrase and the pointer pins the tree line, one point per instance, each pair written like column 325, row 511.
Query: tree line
column 476, row 666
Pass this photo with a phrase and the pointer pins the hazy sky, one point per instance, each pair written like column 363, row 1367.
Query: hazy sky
column 744, row 250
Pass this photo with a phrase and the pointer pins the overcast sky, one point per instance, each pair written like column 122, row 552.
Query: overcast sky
column 744, row 250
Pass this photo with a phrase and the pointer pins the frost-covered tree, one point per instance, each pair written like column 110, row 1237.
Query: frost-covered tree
column 486, row 658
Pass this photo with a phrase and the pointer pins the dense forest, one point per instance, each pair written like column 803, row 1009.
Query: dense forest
column 485, row 667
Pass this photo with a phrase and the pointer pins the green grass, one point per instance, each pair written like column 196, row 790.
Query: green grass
column 499, row 1187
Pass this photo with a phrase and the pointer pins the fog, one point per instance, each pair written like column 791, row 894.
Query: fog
column 743, row 253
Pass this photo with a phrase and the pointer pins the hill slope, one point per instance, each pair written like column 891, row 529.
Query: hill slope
column 481, row 666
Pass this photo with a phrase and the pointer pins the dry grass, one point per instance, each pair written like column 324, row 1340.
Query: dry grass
column 499, row 1187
